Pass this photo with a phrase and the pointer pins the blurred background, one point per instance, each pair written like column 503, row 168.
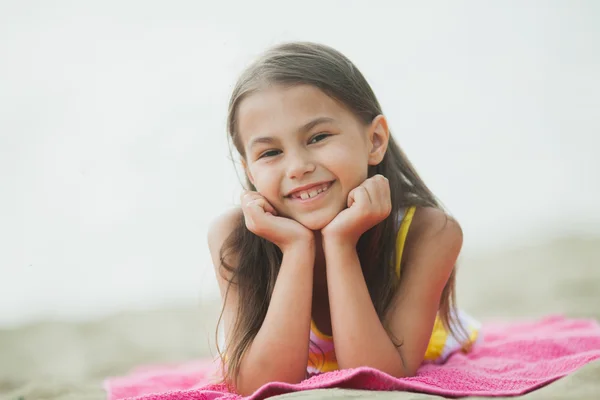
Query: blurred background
column 113, row 151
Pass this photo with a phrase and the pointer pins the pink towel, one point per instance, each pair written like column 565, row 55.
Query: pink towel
column 513, row 359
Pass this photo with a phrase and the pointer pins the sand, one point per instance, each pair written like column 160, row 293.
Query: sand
column 61, row 360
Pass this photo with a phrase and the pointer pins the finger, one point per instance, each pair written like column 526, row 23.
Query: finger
column 379, row 188
column 361, row 196
column 248, row 197
column 250, row 217
column 255, row 217
column 352, row 195
column 270, row 209
column 351, row 198
column 380, row 192
column 369, row 191
column 385, row 182
column 387, row 194
column 257, row 204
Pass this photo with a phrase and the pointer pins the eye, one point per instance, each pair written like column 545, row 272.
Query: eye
column 319, row 137
column 269, row 153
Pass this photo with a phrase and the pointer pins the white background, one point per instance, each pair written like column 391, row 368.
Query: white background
column 113, row 152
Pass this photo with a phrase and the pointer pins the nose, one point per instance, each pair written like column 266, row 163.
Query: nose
column 299, row 164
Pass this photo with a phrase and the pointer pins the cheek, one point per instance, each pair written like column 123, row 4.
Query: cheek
column 266, row 182
column 351, row 167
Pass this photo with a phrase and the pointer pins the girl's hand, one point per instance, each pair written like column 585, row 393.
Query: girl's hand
column 262, row 220
column 368, row 204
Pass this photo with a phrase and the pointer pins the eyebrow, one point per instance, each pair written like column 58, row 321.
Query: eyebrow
column 303, row 129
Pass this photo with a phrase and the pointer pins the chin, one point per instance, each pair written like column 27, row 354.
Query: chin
column 314, row 221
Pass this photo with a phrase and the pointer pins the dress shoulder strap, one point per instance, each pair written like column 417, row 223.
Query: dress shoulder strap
column 402, row 233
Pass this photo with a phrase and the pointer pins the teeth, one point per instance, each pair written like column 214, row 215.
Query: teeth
column 313, row 192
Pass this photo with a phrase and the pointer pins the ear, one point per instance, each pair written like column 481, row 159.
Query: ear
column 247, row 171
column 378, row 136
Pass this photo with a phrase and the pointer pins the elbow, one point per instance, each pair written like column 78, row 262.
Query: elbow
column 402, row 371
column 406, row 369
column 259, row 367
column 247, row 384
column 246, row 389
column 395, row 369
column 408, row 372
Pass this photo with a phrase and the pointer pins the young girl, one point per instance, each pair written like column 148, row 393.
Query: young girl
column 337, row 239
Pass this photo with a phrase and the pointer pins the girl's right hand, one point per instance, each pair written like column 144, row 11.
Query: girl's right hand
column 262, row 220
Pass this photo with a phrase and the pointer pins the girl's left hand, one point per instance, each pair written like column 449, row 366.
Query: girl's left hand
column 368, row 204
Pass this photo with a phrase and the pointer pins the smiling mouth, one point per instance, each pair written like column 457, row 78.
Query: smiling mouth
column 311, row 193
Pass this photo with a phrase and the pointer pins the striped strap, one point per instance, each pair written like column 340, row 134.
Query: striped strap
column 402, row 233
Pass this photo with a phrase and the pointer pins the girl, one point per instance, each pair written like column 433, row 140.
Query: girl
column 337, row 239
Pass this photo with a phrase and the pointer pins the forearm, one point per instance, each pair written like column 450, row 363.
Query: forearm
column 279, row 352
column 360, row 338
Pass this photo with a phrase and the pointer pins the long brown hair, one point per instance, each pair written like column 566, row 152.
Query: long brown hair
column 304, row 63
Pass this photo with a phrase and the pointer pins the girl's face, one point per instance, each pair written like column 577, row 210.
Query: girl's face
column 304, row 151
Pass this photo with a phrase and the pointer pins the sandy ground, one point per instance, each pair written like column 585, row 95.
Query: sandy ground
column 57, row 360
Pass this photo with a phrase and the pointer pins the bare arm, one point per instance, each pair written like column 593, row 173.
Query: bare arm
column 360, row 339
column 279, row 352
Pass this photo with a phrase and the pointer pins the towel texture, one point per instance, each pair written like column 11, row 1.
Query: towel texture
column 513, row 359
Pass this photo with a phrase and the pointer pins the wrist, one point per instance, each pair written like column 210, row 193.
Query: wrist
column 338, row 243
column 338, row 239
column 300, row 248
column 340, row 255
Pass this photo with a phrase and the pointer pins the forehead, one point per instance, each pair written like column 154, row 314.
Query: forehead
column 277, row 110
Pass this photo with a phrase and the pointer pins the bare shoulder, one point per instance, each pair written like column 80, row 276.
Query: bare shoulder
column 219, row 231
column 432, row 230
column 433, row 222
column 222, row 226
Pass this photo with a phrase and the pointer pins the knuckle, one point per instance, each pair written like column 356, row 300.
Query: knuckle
column 245, row 198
